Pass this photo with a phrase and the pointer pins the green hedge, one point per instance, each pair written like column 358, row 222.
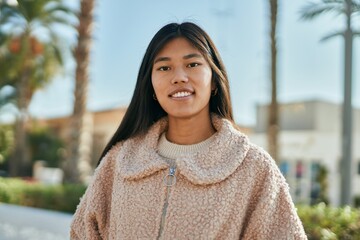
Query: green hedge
column 357, row 201
column 63, row 198
column 324, row 222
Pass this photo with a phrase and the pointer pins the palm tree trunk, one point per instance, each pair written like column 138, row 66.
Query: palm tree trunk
column 78, row 167
column 20, row 163
column 273, row 124
column 346, row 173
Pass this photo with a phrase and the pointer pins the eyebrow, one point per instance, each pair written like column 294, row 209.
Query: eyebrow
column 191, row 55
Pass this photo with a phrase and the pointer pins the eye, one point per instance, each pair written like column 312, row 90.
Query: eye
column 163, row 68
column 191, row 65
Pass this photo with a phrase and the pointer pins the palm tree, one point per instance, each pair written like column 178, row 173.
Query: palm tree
column 273, row 113
column 78, row 167
column 30, row 56
column 348, row 8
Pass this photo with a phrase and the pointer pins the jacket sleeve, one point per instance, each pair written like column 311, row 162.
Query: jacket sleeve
column 90, row 220
column 274, row 215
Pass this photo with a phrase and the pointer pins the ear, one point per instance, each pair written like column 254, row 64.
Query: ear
column 213, row 85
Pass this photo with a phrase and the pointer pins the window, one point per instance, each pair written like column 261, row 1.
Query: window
column 284, row 168
column 299, row 169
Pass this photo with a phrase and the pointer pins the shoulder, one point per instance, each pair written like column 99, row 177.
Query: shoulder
column 263, row 165
column 257, row 155
column 111, row 154
column 253, row 154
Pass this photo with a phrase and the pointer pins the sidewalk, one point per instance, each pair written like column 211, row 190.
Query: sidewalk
column 20, row 223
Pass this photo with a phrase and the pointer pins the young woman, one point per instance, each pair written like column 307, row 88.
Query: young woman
column 177, row 167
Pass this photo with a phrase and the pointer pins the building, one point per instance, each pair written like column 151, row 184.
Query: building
column 310, row 139
column 101, row 124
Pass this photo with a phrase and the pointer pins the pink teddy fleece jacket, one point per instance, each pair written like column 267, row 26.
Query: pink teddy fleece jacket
column 233, row 190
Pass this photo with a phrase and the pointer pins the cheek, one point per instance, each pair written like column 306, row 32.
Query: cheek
column 159, row 88
column 155, row 82
column 207, row 79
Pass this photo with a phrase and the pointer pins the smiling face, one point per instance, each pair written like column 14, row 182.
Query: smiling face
column 181, row 78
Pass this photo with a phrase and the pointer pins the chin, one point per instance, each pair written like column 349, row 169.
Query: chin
column 187, row 113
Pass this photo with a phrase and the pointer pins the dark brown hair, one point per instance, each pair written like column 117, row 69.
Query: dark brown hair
column 143, row 110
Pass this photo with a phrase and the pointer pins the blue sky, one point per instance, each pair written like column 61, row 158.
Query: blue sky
column 307, row 68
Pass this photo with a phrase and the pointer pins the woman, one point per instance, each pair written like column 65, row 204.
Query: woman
column 177, row 167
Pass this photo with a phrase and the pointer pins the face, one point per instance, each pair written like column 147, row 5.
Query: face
column 181, row 78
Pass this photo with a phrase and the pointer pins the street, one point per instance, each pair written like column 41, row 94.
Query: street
column 20, row 223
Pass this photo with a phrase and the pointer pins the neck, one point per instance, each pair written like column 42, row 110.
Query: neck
column 186, row 131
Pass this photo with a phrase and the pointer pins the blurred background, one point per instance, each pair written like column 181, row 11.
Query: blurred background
column 68, row 69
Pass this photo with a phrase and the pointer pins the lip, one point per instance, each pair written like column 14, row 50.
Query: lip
column 182, row 90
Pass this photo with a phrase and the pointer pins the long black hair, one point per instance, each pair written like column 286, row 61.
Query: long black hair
column 143, row 110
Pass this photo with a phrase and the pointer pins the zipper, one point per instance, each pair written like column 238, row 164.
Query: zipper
column 169, row 181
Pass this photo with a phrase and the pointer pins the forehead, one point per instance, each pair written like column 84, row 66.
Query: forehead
column 178, row 46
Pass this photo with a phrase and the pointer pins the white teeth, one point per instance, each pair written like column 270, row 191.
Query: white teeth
column 181, row 94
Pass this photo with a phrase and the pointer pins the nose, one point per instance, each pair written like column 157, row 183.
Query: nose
column 180, row 75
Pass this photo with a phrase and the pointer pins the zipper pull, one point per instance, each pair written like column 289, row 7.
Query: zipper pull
column 170, row 179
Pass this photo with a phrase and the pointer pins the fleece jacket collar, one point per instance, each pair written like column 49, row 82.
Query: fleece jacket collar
column 139, row 158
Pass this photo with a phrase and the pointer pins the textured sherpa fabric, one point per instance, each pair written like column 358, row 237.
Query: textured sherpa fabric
column 233, row 190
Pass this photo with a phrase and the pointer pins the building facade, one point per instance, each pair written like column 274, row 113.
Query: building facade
column 101, row 125
column 310, row 148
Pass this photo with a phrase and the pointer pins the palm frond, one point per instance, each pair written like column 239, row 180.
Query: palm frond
column 31, row 9
column 333, row 1
column 58, row 55
column 43, row 64
column 10, row 67
column 3, row 37
column 7, row 98
column 8, row 12
column 48, row 65
column 331, row 35
column 60, row 8
column 315, row 9
column 59, row 14
column 356, row 7
column 62, row 20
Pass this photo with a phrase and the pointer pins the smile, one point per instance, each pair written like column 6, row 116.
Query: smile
column 181, row 94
